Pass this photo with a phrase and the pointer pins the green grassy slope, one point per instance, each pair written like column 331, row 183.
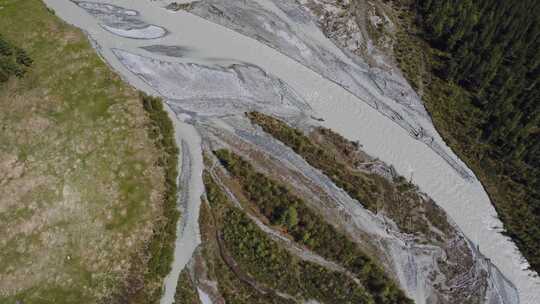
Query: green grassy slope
column 82, row 180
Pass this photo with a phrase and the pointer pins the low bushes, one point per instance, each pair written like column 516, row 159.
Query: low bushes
column 338, row 158
column 231, row 287
column 282, row 208
column 161, row 247
column 359, row 186
column 186, row 293
column 13, row 60
column 260, row 258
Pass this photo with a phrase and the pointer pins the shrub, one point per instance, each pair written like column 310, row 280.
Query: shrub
column 13, row 60
column 161, row 247
column 275, row 201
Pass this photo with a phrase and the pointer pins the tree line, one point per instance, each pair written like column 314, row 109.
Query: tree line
column 490, row 50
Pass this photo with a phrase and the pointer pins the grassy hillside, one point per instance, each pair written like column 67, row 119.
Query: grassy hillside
column 83, row 172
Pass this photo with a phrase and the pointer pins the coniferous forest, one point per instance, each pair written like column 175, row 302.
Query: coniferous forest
column 494, row 51
column 487, row 54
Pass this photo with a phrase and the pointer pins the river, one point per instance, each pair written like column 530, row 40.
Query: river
column 465, row 200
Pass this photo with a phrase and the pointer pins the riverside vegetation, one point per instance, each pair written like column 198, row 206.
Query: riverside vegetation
column 268, row 267
column 415, row 214
column 339, row 159
column 186, row 293
column 160, row 250
column 284, row 209
column 264, row 242
column 232, row 287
